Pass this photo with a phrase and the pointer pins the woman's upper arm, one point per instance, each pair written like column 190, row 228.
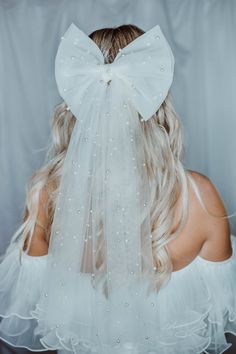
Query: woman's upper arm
column 39, row 243
column 217, row 245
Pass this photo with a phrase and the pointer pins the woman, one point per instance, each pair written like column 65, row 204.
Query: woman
column 188, row 255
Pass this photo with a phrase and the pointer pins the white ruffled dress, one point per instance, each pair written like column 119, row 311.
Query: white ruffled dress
column 193, row 311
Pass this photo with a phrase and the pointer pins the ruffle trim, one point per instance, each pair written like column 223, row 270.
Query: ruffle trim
column 203, row 328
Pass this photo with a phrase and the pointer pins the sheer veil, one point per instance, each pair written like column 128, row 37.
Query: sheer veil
column 100, row 248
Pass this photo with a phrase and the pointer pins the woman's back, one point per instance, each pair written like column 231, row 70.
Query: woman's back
column 204, row 234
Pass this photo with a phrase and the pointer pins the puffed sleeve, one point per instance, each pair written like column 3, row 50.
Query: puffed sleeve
column 220, row 281
column 20, row 288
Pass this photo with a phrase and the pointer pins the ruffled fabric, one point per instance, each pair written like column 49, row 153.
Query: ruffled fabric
column 190, row 315
column 20, row 287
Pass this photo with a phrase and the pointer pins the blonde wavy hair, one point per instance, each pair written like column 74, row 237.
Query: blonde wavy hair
column 163, row 146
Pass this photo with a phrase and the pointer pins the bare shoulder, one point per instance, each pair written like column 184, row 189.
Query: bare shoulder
column 39, row 244
column 217, row 245
column 208, row 192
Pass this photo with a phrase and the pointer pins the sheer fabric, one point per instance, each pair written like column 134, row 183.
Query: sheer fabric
column 189, row 315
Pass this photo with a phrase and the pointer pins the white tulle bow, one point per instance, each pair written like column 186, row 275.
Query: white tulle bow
column 145, row 68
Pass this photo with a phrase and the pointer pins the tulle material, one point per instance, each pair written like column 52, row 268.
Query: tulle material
column 100, row 248
column 189, row 315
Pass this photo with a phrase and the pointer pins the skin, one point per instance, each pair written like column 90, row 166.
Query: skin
column 204, row 235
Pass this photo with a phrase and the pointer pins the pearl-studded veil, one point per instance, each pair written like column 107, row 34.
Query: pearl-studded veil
column 100, row 248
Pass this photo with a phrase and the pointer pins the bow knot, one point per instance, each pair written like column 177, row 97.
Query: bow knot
column 106, row 72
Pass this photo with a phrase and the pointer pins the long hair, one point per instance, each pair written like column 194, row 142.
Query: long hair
column 162, row 141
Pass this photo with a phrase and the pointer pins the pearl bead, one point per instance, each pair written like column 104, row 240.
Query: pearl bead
column 157, row 37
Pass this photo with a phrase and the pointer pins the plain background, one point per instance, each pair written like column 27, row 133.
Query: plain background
column 202, row 36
